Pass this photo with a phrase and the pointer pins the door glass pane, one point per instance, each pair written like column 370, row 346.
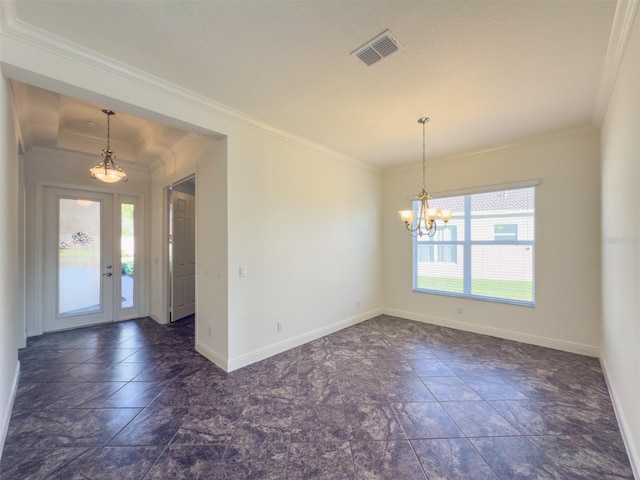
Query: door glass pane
column 79, row 273
column 127, row 237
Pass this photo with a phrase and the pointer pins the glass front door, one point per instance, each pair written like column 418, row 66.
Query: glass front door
column 79, row 268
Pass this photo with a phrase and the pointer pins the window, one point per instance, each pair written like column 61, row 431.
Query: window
column 127, row 257
column 486, row 251
column 505, row 232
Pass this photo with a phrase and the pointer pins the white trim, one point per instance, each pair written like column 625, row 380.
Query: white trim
column 620, row 31
column 269, row 351
column 625, row 429
column 212, row 355
column 6, row 415
column 154, row 316
column 139, row 278
column 487, row 188
column 35, row 325
column 563, row 345
column 8, row 15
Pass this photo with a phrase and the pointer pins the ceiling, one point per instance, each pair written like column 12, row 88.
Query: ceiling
column 486, row 72
column 51, row 120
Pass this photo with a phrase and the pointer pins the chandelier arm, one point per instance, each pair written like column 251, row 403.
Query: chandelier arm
column 412, row 229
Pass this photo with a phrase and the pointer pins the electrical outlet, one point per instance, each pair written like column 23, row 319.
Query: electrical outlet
column 280, row 326
column 209, row 331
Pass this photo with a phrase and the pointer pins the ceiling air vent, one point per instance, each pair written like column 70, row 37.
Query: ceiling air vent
column 378, row 48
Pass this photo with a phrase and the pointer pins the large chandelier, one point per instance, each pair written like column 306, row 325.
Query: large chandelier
column 108, row 170
column 427, row 222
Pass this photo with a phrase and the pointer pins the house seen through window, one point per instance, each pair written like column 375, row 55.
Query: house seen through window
column 485, row 252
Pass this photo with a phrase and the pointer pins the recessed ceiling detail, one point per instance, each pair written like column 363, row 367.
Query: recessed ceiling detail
column 51, row 120
column 378, row 48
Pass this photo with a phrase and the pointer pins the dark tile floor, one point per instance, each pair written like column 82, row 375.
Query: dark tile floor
column 385, row 399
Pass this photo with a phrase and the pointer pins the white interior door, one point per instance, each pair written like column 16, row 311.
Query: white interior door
column 183, row 258
column 79, row 271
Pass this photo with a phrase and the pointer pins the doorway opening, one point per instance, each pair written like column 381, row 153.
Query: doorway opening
column 181, row 207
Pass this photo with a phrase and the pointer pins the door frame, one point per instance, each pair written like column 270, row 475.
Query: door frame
column 180, row 237
column 40, row 309
column 166, row 276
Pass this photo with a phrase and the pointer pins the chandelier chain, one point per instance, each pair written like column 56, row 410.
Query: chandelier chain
column 107, row 170
column 427, row 217
column 424, row 168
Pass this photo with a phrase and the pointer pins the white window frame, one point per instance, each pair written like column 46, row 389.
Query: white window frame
column 466, row 243
column 134, row 311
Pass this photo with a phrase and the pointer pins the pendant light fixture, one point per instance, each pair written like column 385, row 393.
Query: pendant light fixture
column 108, row 170
column 427, row 216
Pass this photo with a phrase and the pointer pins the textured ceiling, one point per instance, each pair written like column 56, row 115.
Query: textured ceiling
column 486, row 72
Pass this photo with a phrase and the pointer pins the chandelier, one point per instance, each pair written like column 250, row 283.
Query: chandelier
column 108, row 170
column 427, row 221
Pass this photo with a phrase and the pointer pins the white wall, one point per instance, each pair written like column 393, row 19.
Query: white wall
column 621, row 245
column 307, row 227
column 567, row 267
column 212, row 250
column 10, row 294
column 70, row 170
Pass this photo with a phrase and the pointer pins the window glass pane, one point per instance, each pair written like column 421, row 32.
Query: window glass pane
column 498, row 208
column 79, row 273
column 455, row 204
column 425, row 252
column 127, row 242
column 505, row 233
column 502, row 271
column 452, row 203
column 441, row 276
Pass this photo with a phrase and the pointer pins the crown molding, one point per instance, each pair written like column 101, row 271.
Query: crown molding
column 12, row 27
column 8, row 14
column 626, row 11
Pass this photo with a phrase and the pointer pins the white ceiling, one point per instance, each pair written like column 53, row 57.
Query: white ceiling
column 486, row 72
column 51, row 120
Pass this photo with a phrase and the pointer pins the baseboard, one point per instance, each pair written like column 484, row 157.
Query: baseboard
column 269, row 351
column 212, row 355
column 156, row 318
column 625, row 430
column 6, row 415
column 565, row 346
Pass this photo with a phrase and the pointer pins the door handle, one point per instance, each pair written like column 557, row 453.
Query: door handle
column 107, row 274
